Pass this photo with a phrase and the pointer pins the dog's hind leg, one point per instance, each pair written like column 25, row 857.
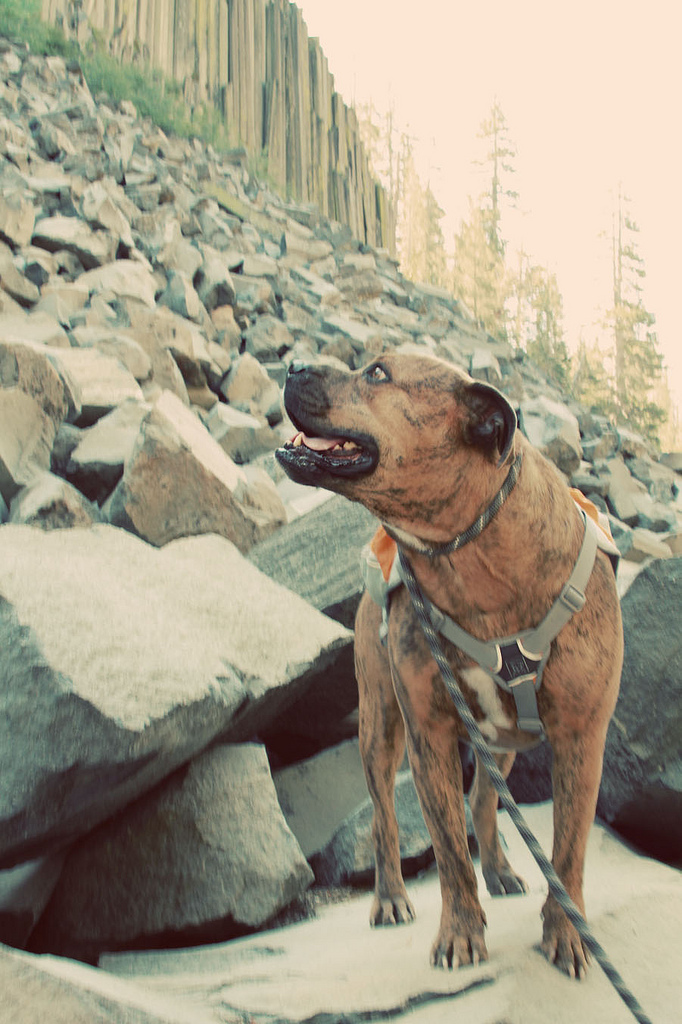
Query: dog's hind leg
column 500, row 877
column 382, row 746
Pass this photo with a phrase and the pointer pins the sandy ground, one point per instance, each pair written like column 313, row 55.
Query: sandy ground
column 336, row 965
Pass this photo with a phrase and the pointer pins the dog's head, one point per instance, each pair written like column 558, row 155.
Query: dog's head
column 401, row 435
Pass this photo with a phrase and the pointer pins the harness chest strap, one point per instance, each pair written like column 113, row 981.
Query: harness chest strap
column 516, row 663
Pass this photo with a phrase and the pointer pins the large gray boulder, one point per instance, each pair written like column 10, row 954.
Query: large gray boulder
column 212, row 835
column 119, row 662
column 318, row 557
column 641, row 790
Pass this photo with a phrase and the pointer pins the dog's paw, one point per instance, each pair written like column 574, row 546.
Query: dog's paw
column 504, row 882
column 564, row 948
column 393, row 910
column 453, row 949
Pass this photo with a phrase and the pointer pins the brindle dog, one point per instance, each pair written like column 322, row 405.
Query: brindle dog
column 426, row 449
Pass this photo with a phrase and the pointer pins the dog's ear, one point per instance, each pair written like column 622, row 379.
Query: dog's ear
column 492, row 421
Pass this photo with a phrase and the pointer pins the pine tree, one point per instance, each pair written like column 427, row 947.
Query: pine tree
column 479, row 276
column 638, row 362
column 500, row 153
column 593, row 384
column 545, row 344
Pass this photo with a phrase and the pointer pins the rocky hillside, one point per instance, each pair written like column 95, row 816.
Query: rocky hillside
column 174, row 617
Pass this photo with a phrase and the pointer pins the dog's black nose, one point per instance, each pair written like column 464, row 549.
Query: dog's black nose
column 297, row 366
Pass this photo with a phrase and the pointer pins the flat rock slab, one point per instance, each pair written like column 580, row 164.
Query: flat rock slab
column 38, row 989
column 339, row 968
column 118, row 662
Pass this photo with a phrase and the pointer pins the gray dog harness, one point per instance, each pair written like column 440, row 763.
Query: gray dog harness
column 516, row 663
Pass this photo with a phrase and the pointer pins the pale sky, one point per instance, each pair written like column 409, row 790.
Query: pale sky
column 592, row 93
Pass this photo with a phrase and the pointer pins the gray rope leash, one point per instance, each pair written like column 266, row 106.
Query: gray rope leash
column 556, row 886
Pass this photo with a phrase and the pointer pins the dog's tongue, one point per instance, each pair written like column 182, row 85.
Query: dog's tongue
column 318, row 444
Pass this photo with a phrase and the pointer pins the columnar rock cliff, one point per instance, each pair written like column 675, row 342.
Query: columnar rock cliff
column 253, row 61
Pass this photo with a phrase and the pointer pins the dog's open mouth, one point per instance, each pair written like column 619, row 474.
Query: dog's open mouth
column 340, row 456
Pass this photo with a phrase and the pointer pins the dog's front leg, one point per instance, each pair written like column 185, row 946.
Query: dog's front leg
column 436, row 766
column 382, row 746
column 432, row 729
column 575, row 776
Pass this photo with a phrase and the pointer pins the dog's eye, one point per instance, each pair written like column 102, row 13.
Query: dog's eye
column 377, row 373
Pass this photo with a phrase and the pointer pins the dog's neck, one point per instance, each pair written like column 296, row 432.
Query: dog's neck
column 423, row 547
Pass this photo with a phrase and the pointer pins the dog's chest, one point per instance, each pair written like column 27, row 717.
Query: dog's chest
column 487, row 694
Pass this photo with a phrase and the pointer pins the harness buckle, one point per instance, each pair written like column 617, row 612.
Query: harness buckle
column 573, row 598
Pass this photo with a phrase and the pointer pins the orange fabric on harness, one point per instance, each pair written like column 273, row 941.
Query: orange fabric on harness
column 384, row 547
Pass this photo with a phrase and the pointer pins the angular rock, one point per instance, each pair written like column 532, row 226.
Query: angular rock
column 631, row 502
column 249, row 387
column 181, row 297
column 252, row 295
column 318, row 794
column 114, row 888
column 40, row 328
column 128, row 279
column 673, row 460
column 93, row 248
column 119, row 662
column 641, row 790
column 318, row 556
column 17, row 218
column 117, row 346
column 62, row 301
column 552, row 428
column 24, row 892
column 52, row 504
column 97, row 383
column 95, row 464
column 268, row 339
column 361, row 335
column 179, row 482
column 229, row 333
column 306, row 248
column 658, row 479
column 485, row 366
column 213, row 282
column 260, row 265
column 100, row 211
column 348, row 858
column 16, row 284
column 242, row 436
column 158, row 332
column 638, row 545
column 323, row 293
column 360, row 287
column 33, row 403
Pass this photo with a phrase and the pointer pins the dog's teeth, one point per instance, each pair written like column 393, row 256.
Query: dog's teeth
column 349, row 445
column 298, row 441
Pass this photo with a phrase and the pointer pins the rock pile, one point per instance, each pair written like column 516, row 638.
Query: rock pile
column 161, row 629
